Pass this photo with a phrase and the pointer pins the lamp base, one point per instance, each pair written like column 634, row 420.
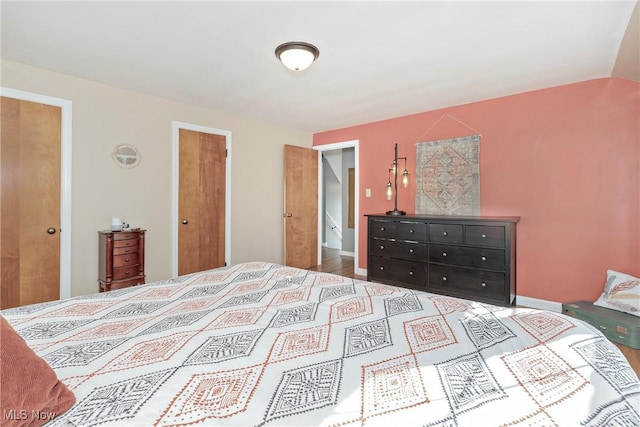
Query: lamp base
column 396, row 212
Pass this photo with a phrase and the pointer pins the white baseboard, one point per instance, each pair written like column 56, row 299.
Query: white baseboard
column 360, row 271
column 349, row 254
column 539, row 303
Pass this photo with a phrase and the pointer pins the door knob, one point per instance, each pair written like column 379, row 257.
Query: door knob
column 287, row 214
column 185, row 221
column 51, row 230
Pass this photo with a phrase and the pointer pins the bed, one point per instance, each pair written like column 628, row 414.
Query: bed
column 260, row 344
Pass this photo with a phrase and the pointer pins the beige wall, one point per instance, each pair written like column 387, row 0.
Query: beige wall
column 105, row 116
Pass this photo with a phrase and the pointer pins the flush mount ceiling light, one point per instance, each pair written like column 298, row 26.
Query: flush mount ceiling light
column 297, row 56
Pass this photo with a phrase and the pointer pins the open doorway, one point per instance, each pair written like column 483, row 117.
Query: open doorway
column 338, row 207
column 338, row 170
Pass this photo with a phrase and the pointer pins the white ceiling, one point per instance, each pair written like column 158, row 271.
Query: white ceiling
column 378, row 60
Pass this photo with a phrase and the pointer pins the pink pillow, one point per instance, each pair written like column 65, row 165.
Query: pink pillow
column 30, row 391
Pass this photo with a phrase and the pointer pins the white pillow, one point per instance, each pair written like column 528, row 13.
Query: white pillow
column 621, row 292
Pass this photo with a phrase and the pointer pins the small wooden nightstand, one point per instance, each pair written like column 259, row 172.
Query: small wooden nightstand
column 121, row 262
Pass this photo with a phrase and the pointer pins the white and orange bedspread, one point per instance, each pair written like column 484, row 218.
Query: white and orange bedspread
column 262, row 344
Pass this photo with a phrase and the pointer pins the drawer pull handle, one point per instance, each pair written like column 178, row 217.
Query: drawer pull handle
column 410, row 251
column 411, row 273
column 381, row 228
column 444, row 254
column 484, row 236
column 126, row 260
column 444, row 278
column 127, row 250
column 411, row 231
column 484, row 285
column 381, row 268
column 381, row 246
column 484, row 258
column 444, row 233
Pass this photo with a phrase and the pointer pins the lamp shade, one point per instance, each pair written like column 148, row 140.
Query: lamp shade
column 297, row 56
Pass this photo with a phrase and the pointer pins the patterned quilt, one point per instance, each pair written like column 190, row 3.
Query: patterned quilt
column 259, row 344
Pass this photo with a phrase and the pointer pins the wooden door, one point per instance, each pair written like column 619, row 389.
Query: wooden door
column 201, row 201
column 30, row 150
column 300, row 206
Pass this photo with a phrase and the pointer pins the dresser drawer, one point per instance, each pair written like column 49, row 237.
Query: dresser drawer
column 390, row 248
column 401, row 271
column 382, row 247
column 472, row 283
column 380, row 228
column 445, row 233
column 125, row 260
column 125, row 242
column 415, row 231
column 411, row 251
column 485, row 235
column 490, row 259
column 125, row 272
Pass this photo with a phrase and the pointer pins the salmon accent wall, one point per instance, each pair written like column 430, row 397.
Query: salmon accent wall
column 565, row 159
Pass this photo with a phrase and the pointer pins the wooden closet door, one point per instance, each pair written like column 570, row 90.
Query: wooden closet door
column 201, row 201
column 300, row 206
column 30, row 161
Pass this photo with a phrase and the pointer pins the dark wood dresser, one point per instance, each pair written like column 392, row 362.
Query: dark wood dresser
column 121, row 262
column 466, row 257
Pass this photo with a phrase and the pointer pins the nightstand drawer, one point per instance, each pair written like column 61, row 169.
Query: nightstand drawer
column 125, row 272
column 485, row 285
column 125, row 235
column 445, row 233
column 125, row 260
column 126, row 250
column 380, row 228
column 485, row 235
column 138, row 280
column 490, row 259
column 125, row 242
